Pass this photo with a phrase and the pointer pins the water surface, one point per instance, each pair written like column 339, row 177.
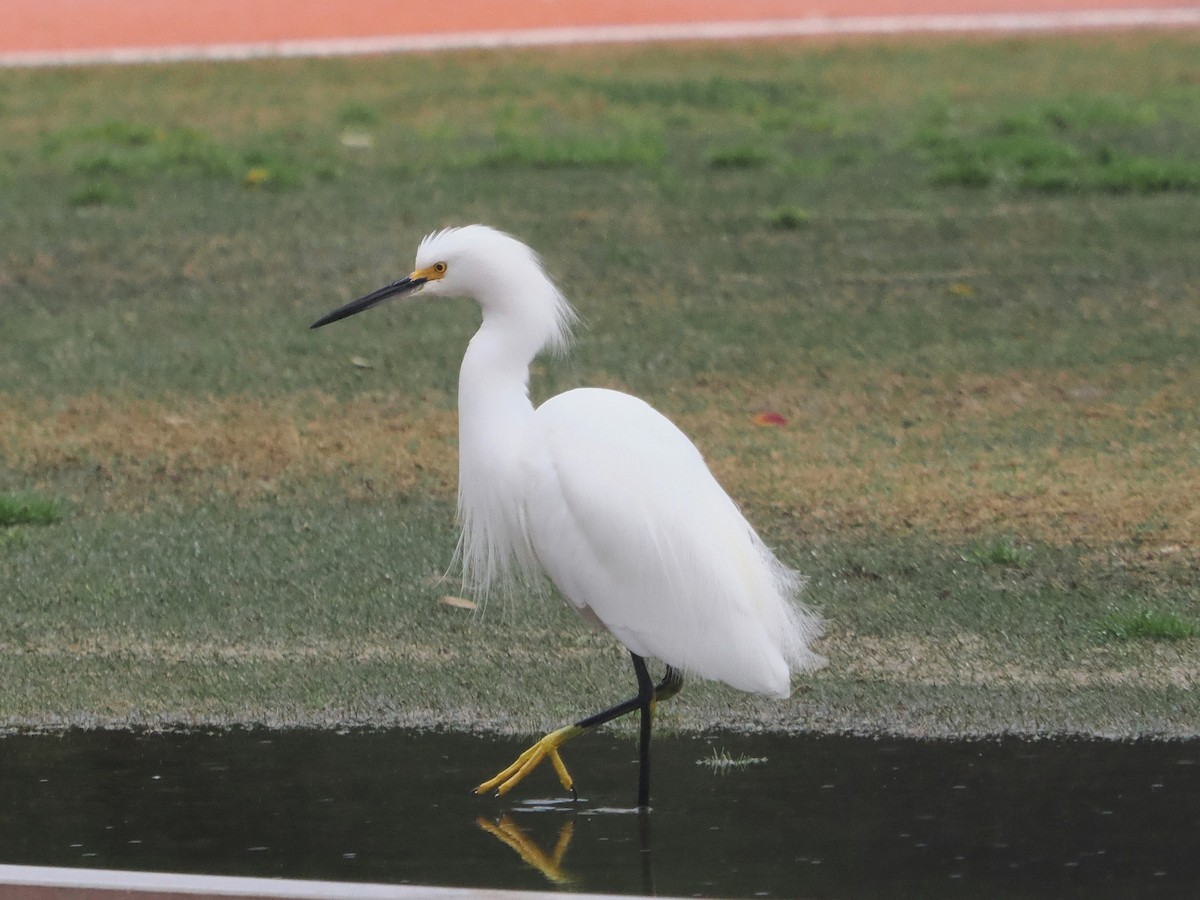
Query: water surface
column 791, row 817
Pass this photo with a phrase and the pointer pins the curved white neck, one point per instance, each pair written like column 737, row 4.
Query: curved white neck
column 495, row 418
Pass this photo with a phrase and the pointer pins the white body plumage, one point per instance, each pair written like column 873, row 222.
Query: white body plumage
column 604, row 494
column 597, row 490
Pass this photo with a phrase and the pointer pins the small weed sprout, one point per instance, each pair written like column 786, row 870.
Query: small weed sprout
column 359, row 114
column 744, row 156
column 720, row 761
column 788, row 218
column 101, row 192
column 999, row 552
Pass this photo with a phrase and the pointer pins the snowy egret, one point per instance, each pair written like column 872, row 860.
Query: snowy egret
column 605, row 496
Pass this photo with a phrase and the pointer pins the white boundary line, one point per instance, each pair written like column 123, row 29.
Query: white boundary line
column 814, row 26
column 233, row 886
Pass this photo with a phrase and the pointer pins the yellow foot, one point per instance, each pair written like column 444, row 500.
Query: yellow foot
column 528, row 761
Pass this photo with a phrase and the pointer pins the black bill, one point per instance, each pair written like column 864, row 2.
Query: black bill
column 395, row 289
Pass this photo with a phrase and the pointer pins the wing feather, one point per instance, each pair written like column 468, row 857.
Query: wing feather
column 629, row 523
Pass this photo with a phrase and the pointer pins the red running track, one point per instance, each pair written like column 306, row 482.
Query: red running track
column 36, row 32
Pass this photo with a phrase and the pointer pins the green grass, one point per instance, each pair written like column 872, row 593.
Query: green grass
column 1080, row 143
column 744, row 156
column 27, row 510
column 963, row 274
column 117, row 160
column 1150, row 626
column 550, row 138
column 99, row 192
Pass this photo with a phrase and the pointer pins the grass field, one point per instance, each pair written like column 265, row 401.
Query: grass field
column 964, row 275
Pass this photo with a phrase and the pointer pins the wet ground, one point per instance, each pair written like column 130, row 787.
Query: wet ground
column 734, row 816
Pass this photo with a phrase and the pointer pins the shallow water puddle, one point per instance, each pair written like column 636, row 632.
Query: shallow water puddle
column 734, row 816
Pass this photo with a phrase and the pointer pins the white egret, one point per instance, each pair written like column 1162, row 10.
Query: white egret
column 604, row 495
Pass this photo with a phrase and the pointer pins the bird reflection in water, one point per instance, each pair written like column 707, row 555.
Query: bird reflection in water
column 549, row 862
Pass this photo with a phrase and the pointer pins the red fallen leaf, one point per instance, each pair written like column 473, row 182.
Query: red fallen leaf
column 769, row 418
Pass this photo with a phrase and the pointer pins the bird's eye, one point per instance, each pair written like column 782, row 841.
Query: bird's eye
column 439, row 268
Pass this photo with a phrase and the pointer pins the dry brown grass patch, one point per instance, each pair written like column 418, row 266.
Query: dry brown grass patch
column 976, row 659
column 241, row 447
column 1043, row 454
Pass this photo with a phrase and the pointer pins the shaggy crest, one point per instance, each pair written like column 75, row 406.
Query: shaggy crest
column 502, row 269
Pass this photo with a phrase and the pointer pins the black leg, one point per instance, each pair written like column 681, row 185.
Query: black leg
column 647, row 858
column 671, row 685
column 645, row 700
